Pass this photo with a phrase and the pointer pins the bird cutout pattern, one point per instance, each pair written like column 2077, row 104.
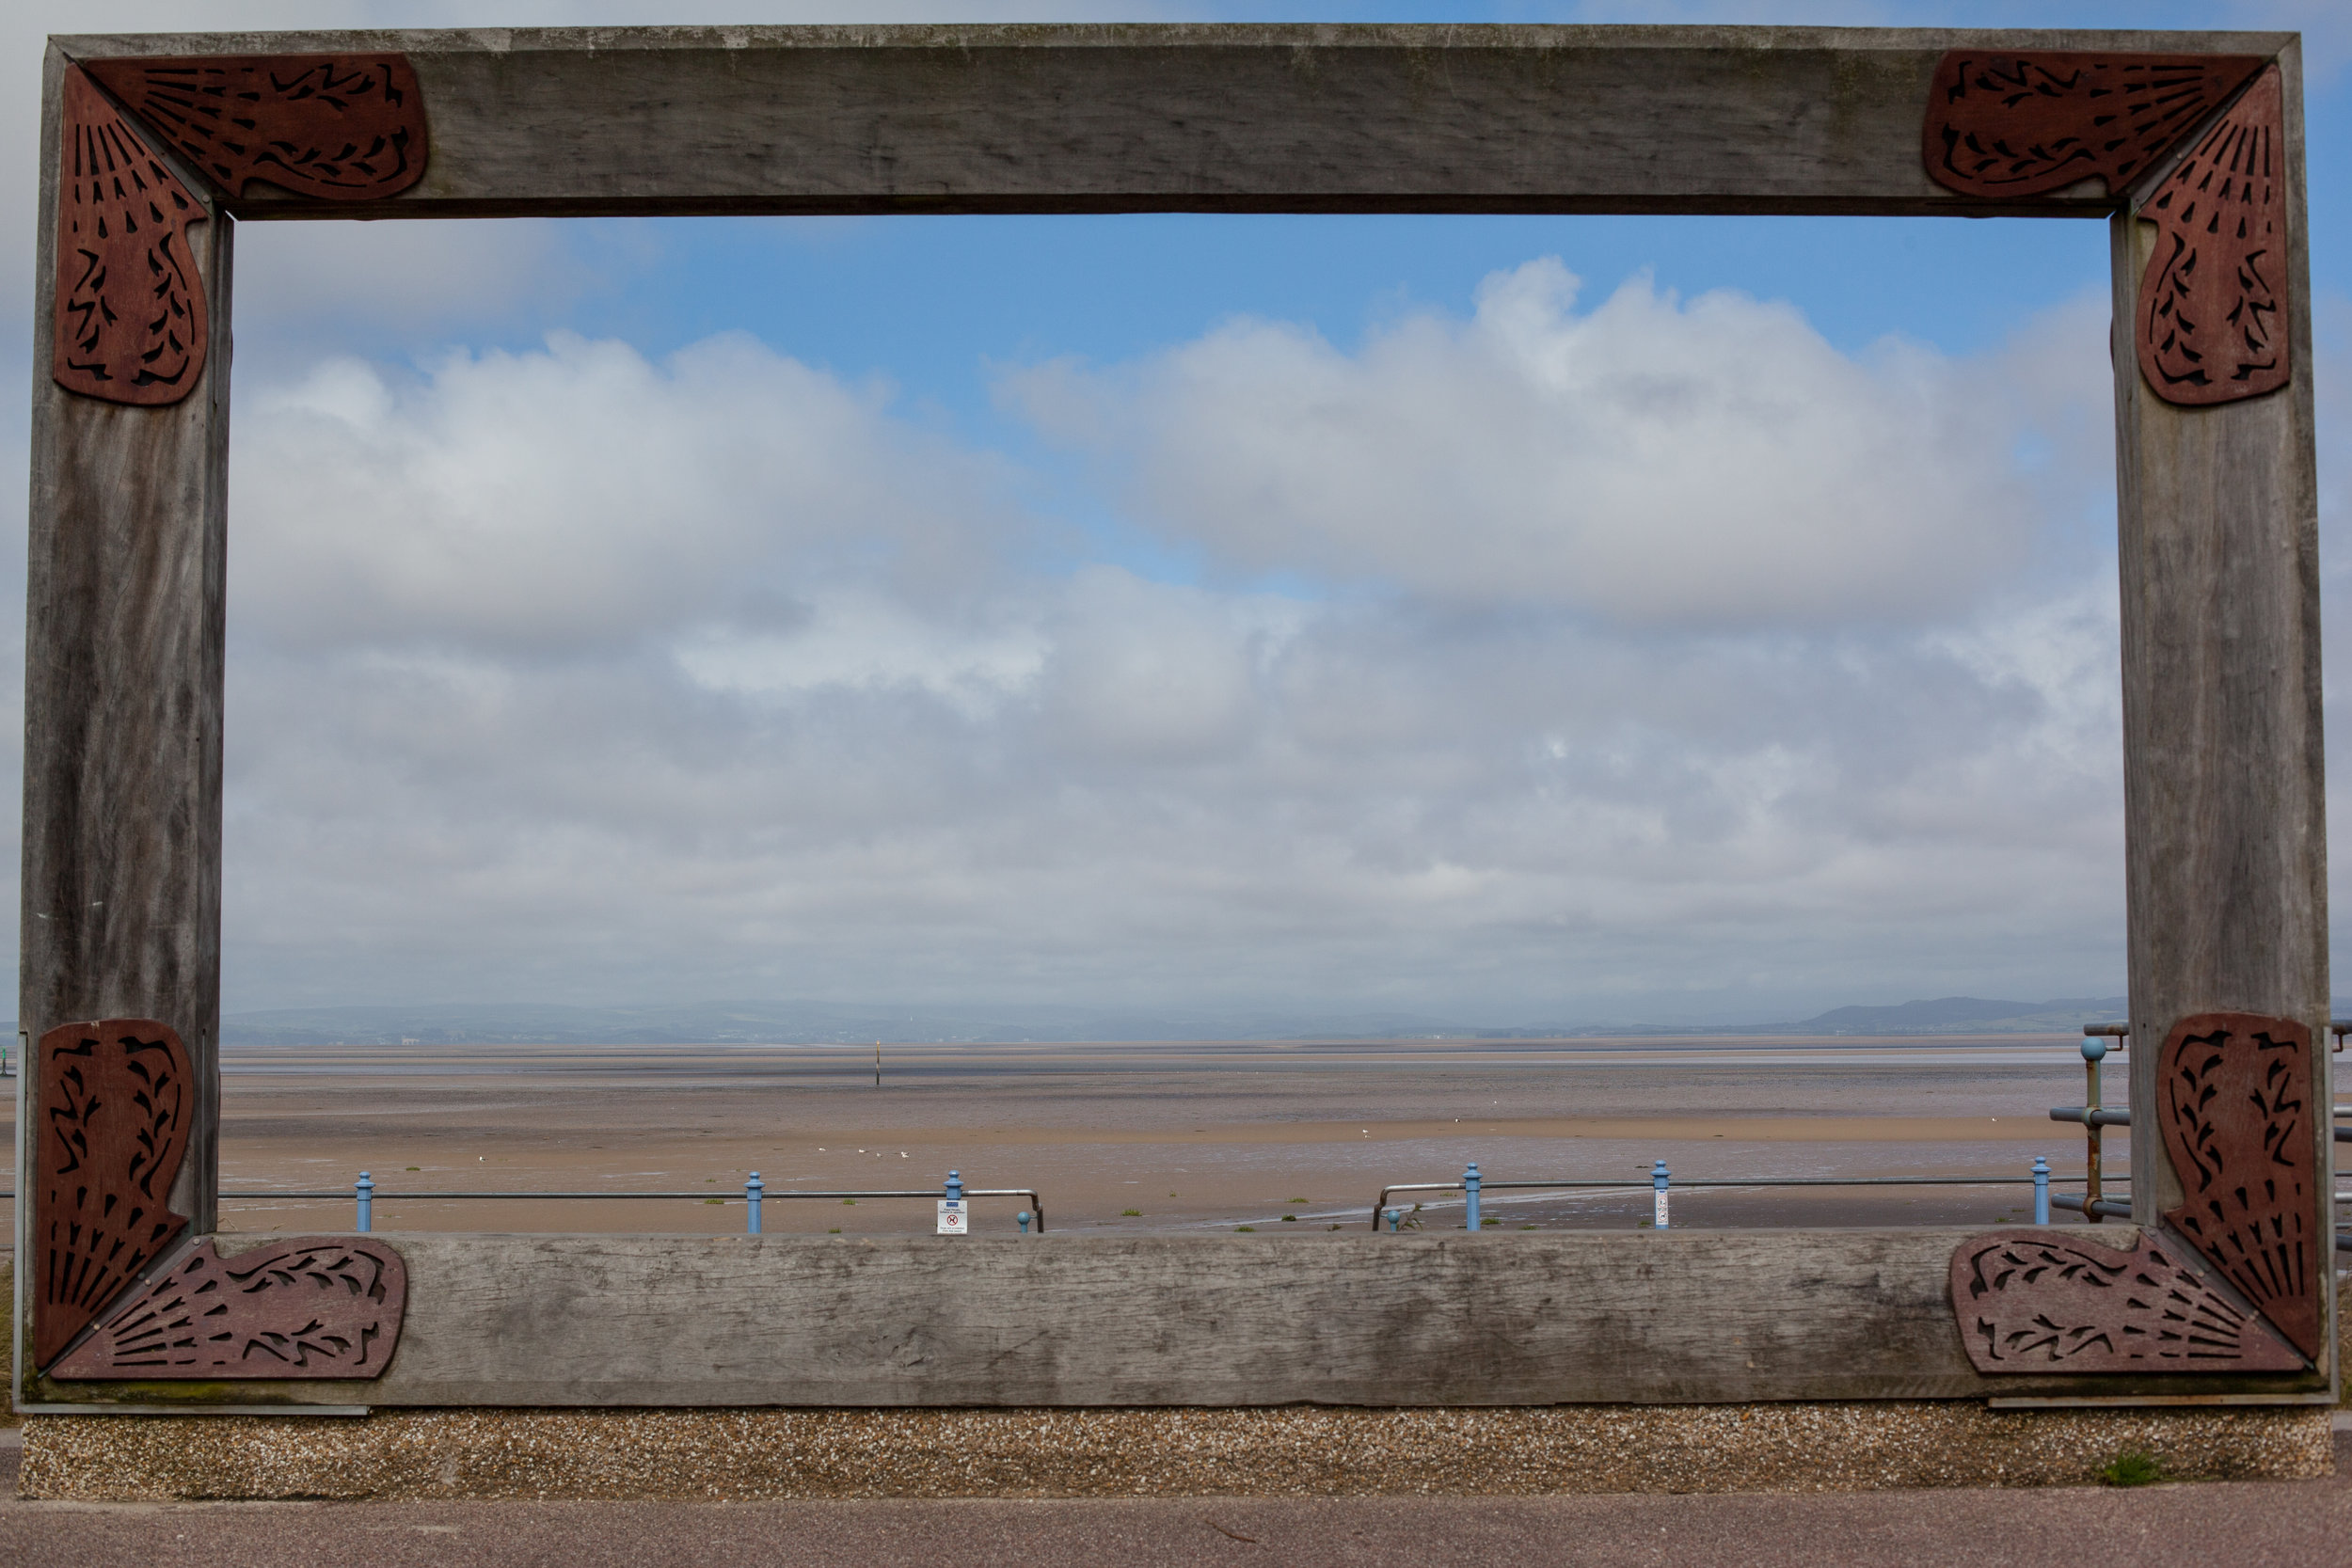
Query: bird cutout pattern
column 2026, row 124
column 2235, row 1101
column 310, row 1307
column 129, row 314
column 115, row 1106
column 342, row 127
column 2212, row 317
column 2041, row 1300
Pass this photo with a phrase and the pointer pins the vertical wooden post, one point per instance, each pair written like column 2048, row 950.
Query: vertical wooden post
column 2225, row 811
column 123, row 700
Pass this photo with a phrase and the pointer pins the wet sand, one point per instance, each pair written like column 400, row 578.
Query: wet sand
column 1191, row 1136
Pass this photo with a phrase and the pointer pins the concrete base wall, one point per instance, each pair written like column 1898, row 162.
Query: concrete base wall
column 1263, row 1452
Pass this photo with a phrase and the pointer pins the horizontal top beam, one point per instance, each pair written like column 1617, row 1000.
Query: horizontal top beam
column 587, row 121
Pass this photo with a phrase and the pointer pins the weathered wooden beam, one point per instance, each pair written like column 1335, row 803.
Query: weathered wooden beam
column 1694, row 1317
column 2225, row 805
column 123, row 665
column 1202, row 117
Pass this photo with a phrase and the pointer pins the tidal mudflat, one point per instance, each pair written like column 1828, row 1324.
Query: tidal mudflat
column 1289, row 1138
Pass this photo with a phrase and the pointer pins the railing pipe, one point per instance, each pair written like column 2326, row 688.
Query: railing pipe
column 2093, row 1209
column 365, row 1189
column 1637, row 1183
column 2092, row 1116
column 2094, row 1048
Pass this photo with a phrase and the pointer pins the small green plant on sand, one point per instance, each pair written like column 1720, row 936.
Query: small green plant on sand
column 1131, row 1214
column 849, row 1203
column 834, row 1231
column 2132, row 1467
column 1489, row 1219
column 416, row 1167
column 714, row 1200
column 1296, row 1200
column 1290, row 1219
column 1245, row 1229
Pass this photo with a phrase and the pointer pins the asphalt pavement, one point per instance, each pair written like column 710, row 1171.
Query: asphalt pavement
column 2243, row 1525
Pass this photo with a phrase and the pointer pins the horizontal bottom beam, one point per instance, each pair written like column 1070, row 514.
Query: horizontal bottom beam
column 751, row 1455
column 1518, row 1319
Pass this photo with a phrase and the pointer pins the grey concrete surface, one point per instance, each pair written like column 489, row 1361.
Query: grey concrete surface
column 2249, row 1524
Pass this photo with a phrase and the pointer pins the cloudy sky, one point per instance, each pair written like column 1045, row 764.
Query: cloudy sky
column 1511, row 619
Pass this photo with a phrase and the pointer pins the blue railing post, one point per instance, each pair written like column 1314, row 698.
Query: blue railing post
column 751, row 1190
column 1658, row 1179
column 1023, row 1218
column 2041, row 1189
column 955, row 1187
column 1470, row 1198
column 365, row 1189
column 1394, row 1215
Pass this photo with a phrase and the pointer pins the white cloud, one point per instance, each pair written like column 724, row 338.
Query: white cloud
column 576, row 673
column 585, row 497
column 1648, row 461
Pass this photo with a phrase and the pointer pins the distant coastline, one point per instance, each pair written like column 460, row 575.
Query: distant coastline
column 794, row 1022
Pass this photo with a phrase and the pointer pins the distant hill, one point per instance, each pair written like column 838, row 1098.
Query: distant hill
column 788, row 1023
column 1972, row 1015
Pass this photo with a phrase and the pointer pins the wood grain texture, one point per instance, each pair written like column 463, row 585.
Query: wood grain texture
column 1679, row 1318
column 1184, row 118
column 121, row 882
column 2223, row 774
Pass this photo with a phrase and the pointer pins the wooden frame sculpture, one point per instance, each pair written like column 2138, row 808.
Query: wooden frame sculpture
column 2188, row 145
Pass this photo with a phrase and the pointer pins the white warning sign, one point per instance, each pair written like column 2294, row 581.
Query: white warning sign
column 1660, row 1221
column 951, row 1217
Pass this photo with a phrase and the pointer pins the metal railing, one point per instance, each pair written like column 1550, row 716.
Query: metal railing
column 366, row 1195
column 1662, row 1184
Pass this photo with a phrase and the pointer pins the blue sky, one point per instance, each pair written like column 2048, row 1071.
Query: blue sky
column 1259, row 610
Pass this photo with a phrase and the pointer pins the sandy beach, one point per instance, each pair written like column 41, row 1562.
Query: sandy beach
column 1289, row 1138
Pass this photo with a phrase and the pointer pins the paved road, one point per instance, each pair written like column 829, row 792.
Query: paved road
column 2301, row 1524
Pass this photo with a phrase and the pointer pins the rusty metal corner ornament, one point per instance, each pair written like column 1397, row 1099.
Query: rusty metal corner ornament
column 2029, row 123
column 130, row 314
column 2234, row 1099
column 128, row 318
column 117, row 1104
column 341, row 127
column 306, row 1306
column 2043, row 1301
column 2212, row 321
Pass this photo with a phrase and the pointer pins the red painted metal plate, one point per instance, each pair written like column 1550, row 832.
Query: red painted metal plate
column 346, row 127
column 2235, row 1101
column 310, row 1307
column 2026, row 124
column 116, row 1103
column 128, row 320
column 2041, row 1300
column 2212, row 321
